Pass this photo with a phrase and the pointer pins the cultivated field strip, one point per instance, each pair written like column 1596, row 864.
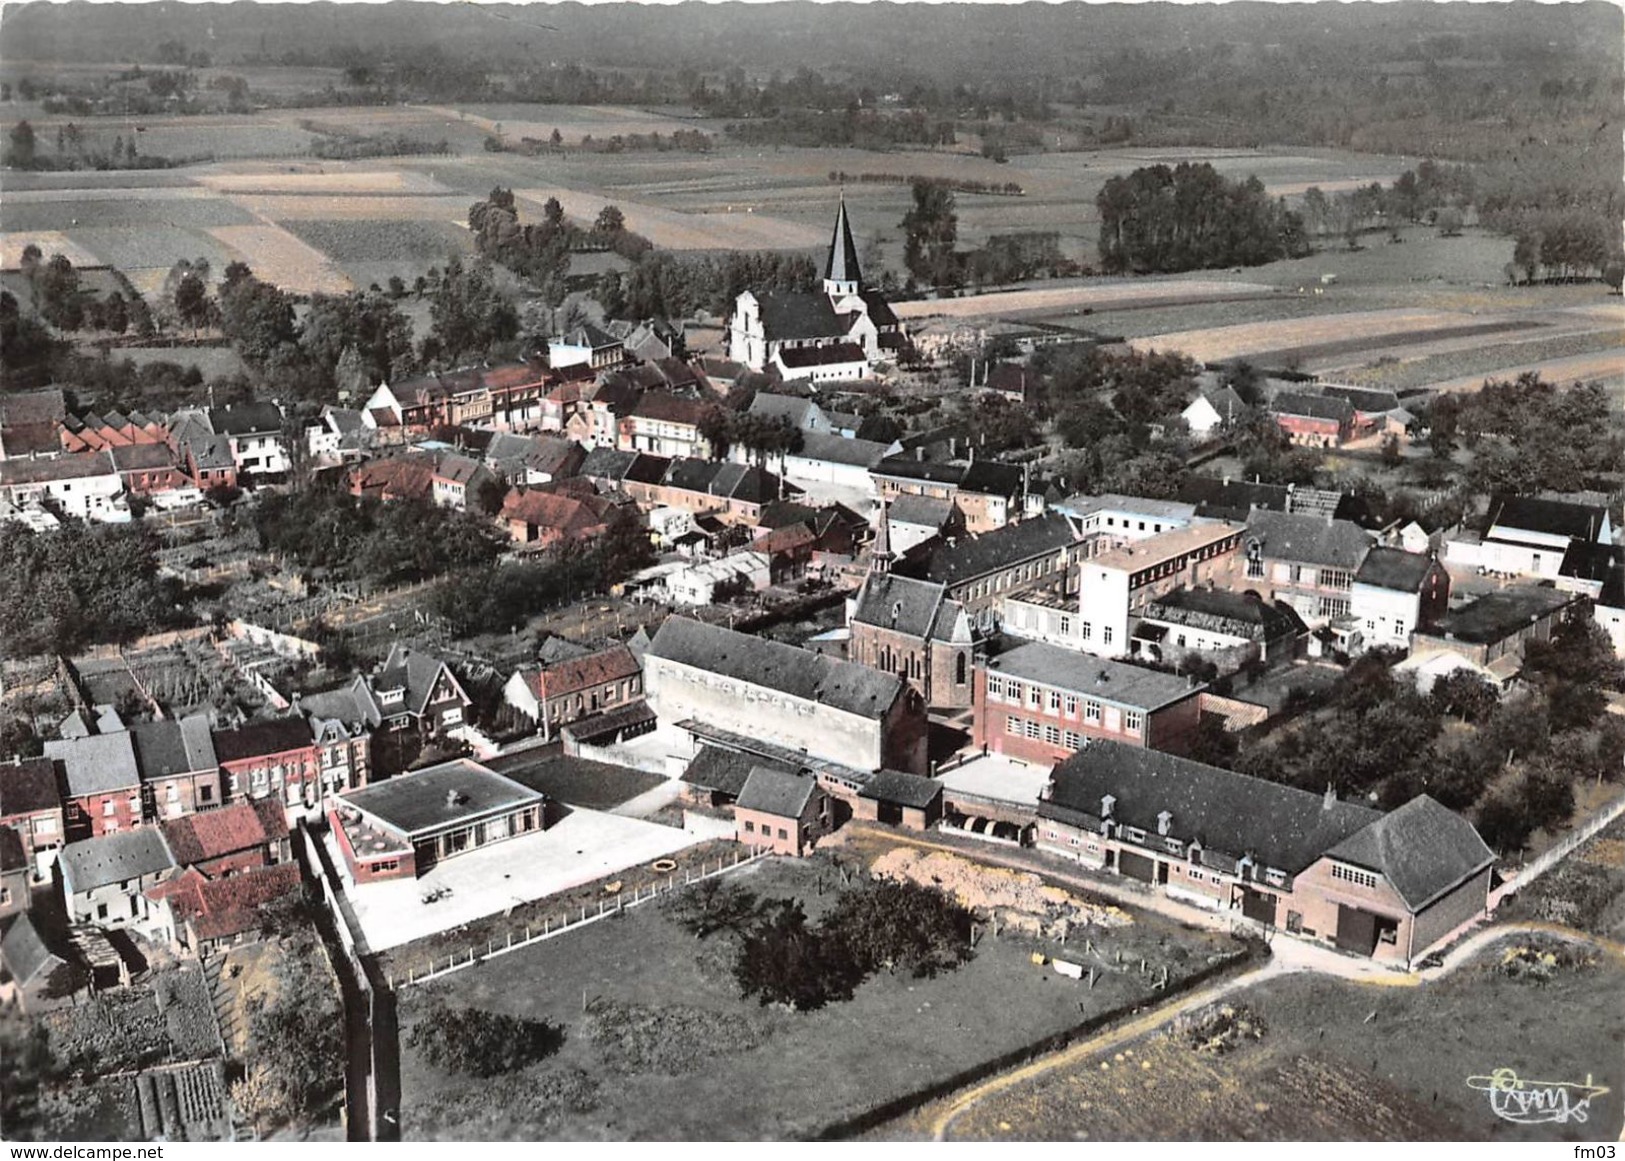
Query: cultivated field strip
column 49, row 242
column 278, row 257
column 674, row 230
column 1110, row 296
column 1215, row 344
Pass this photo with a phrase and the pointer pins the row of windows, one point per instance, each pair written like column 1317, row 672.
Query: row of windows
column 1030, row 571
column 1353, row 875
column 767, row 831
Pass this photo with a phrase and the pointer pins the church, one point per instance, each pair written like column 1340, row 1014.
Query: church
column 834, row 335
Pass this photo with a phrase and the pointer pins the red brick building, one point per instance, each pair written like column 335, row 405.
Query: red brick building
column 1040, row 703
column 554, row 694
column 179, row 771
column 275, row 759
column 781, row 811
column 1313, row 420
column 31, row 804
column 201, row 915
column 231, row 840
column 101, row 784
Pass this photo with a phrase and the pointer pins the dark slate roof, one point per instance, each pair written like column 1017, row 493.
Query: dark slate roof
column 411, row 669
column 922, row 510
column 29, row 785
column 352, row 704
column 902, row 789
column 1394, row 568
column 880, row 311
column 899, row 603
column 422, row 800
column 842, row 263
column 607, row 463
column 836, row 449
column 97, row 764
column 261, row 739
column 991, row 478
column 173, row 747
column 1110, row 681
column 973, row 556
column 13, row 857
column 1422, row 848
column 775, row 791
column 793, row 409
column 906, row 467
column 1309, row 539
column 720, row 770
column 1232, row 499
column 692, row 475
column 842, row 685
column 113, row 858
column 25, row 953
column 648, row 469
column 830, row 354
column 1312, row 406
column 1597, row 562
column 1553, row 517
column 1280, row 826
column 1222, row 611
column 245, row 419
column 791, row 315
column 1500, row 614
column 1364, row 399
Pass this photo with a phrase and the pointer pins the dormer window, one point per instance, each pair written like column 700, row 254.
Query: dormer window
column 392, row 695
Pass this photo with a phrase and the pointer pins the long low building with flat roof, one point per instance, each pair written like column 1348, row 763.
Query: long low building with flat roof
column 1040, row 703
column 401, row 827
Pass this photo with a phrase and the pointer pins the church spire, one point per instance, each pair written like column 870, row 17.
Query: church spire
column 880, row 555
column 841, row 274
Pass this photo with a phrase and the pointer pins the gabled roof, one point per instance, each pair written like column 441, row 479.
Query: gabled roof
column 771, row 790
column 1604, row 563
column 825, row 355
column 586, row 335
column 795, row 315
column 991, row 478
column 417, row 672
column 588, row 671
column 228, row 830
column 794, row 410
column 1422, row 848
column 1499, row 614
column 922, row 510
column 1394, row 568
column 141, row 457
column 1312, row 406
column 246, row 419
column 13, row 856
column 1309, row 539
column 549, row 454
column 664, row 407
column 842, row 685
column 262, row 739
column 1553, row 517
column 167, row 748
column 98, row 764
column 399, row 477
column 24, row 408
column 607, row 463
column 1232, row 499
column 974, row 556
column 113, row 858
column 1221, row 611
column 1365, row 400
column 567, row 515
column 25, row 953
column 352, row 705
column 907, row 606
column 221, row 908
column 1225, row 812
column 722, row 771
column 74, row 466
column 458, row 469
column 29, row 786
column 900, row 788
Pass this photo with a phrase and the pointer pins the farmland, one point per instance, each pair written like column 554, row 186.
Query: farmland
column 804, row 1070
column 1341, row 1061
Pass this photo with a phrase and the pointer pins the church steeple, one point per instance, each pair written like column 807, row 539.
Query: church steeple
column 841, row 274
column 880, row 554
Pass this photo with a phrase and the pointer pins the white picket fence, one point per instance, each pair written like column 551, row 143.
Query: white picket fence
column 551, row 928
column 1557, row 854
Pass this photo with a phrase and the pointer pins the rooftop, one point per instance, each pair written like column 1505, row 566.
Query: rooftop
column 775, row 791
column 1110, row 681
column 1165, row 546
column 425, row 801
column 1307, row 539
column 1422, row 848
column 113, row 858
column 97, row 764
column 1394, row 568
column 968, row 557
column 28, row 786
column 1553, row 517
column 1498, row 615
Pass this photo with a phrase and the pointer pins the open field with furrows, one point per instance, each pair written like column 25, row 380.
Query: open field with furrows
column 673, row 230
column 694, row 1061
column 1605, row 366
column 282, row 259
column 573, row 122
column 1445, row 362
column 1343, row 1061
column 49, row 242
column 1052, row 302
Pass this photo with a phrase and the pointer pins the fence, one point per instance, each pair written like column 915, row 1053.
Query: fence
column 551, row 929
column 1557, row 854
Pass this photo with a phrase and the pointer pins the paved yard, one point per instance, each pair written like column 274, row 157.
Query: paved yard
column 583, row 846
column 995, row 776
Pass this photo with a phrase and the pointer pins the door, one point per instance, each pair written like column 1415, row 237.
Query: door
column 1356, row 930
column 1258, row 906
column 1137, row 867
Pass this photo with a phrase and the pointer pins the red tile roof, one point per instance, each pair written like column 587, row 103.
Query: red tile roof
column 396, row 478
column 569, row 515
column 664, row 408
column 581, row 673
column 231, row 829
column 221, row 908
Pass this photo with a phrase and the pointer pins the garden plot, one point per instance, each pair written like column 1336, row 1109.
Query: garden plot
column 49, row 242
column 675, row 230
column 277, row 257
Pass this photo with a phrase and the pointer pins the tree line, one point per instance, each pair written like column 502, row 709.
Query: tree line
column 1163, row 220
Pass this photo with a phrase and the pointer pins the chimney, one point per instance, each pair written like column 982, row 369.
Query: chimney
column 1165, row 822
column 1107, row 803
column 1329, row 799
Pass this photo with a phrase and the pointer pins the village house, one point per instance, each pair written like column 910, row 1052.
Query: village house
column 31, row 804
column 1115, row 586
column 521, row 460
column 1389, row 886
column 180, row 773
column 457, row 481
column 1235, row 500
column 1375, row 412
column 1113, row 520
column 16, row 874
column 915, row 519
column 1308, row 562
column 667, row 425
column 273, row 759
column 1038, row 703
column 710, row 582
column 1396, row 593
column 596, row 418
column 554, row 694
column 231, row 840
column 402, row 827
column 1487, row 635
column 835, row 334
column 717, row 684
column 205, row 456
column 780, row 811
column 1313, row 420
column 586, row 346
column 102, row 784
column 39, row 979
column 516, row 391
column 544, row 519
column 90, row 432
column 87, row 485
column 338, row 436
column 1529, row 536
column 341, row 724
column 1212, row 412
column 393, row 477
column 31, row 423
column 987, row 493
column 1598, row 572
column 105, row 879
column 1034, row 555
column 203, row 916
column 253, row 431
column 1224, row 628
column 415, row 688
column 149, row 469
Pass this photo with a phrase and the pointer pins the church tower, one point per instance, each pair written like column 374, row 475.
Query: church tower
column 881, row 555
column 841, row 275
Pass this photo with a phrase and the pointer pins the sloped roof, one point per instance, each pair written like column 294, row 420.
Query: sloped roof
column 568, row 515
column 246, row 419
column 664, row 407
column 973, row 556
column 1309, row 539
column 415, row 671
column 1232, row 499
column 74, row 466
column 880, row 311
column 1225, row 612
column 793, row 409
column 166, row 748
column 798, row 315
column 923, row 510
column 607, row 463
column 23, row 408
column 585, row 672
column 1312, row 406
column 352, row 704
column 1553, row 517
column 1499, row 614
column 1394, row 568
column 1230, row 813
column 28, row 786
column 25, row 953
column 902, row 604
column 242, row 826
column 991, row 478
column 720, row 770
column 13, row 857
column 97, row 764
column 398, row 476
column 774, row 791
column 827, row 355
column 842, row 685
column 1423, row 849
column 842, row 263
column 1365, row 400
column 113, row 858
column 221, row 908
column 262, row 739
column 1110, row 681
column 142, row 457
column 458, row 469
column 901, row 788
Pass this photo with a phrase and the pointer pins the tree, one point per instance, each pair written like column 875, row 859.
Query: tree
column 899, row 926
column 1449, row 222
column 20, row 153
column 930, row 230
column 483, row 1044
column 610, row 221
column 785, row 962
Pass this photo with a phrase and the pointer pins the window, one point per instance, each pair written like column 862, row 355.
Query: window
column 783, row 834
column 1091, row 710
column 1035, row 696
column 995, row 685
column 750, row 827
column 172, row 792
column 1336, row 578
column 1066, row 625
column 1106, row 635
column 1071, row 705
column 108, row 807
column 1012, row 726
column 1071, row 740
column 1088, row 631
column 1054, row 701
column 1353, row 875
column 1052, row 735
column 1255, row 568
column 1032, row 730
column 959, row 669
column 1182, row 640
column 1012, row 690
column 1334, row 606
column 1132, row 722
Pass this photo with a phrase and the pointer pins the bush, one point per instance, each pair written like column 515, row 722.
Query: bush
column 895, row 926
column 674, row 1038
column 480, row 1043
column 785, row 962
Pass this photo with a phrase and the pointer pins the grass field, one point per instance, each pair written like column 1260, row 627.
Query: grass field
column 1343, row 1061
column 776, row 1074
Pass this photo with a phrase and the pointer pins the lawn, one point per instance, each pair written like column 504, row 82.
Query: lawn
column 1345, row 1061
column 1586, row 890
column 730, row 1069
column 582, row 782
